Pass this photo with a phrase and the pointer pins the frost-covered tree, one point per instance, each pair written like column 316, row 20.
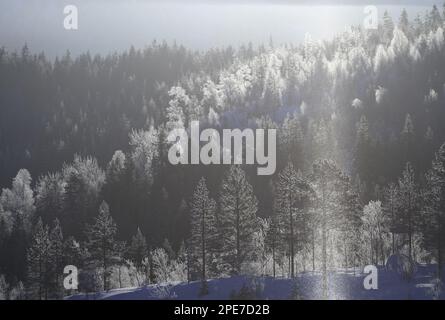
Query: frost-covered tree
column 325, row 180
column 375, row 227
column 408, row 142
column 6, row 224
column 39, row 263
column 273, row 241
column 404, row 22
column 50, row 196
column 116, row 167
column 138, row 249
column 433, row 213
column 85, row 180
column 57, row 258
column 19, row 201
column 388, row 27
column 179, row 102
column 161, row 265
column 409, row 205
column 349, row 220
column 292, row 196
column 291, row 139
column 4, row 288
column 101, row 243
column 364, row 152
column 144, row 154
column 74, row 253
column 237, row 219
column 203, row 228
column 390, row 207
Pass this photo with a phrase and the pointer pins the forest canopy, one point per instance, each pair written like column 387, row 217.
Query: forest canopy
column 360, row 159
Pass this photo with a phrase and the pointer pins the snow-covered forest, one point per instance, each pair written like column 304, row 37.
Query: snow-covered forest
column 360, row 162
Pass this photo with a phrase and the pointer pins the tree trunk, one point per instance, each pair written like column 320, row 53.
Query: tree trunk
column 291, row 239
column 313, row 249
column 439, row 250
column 238, row 245
column 324, row 262
column 120, row 277
column 393, row 243
column 203, row 245
column 273, row 258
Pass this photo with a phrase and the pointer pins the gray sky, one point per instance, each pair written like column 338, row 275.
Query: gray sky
column 109, row 25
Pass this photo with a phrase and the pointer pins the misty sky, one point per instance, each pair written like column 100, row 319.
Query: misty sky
column 106, row 26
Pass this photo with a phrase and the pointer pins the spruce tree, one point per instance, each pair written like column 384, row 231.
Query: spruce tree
column 433, row 213
column 238, row 206
column 409, row 205
column 57, row 259
column 292, row 196
column 203, row 228
column 39, row 262
column 138, row 249
column 101, row 243
column 325, row 180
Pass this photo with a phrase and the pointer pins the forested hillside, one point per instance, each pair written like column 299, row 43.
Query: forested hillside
column 360, row 160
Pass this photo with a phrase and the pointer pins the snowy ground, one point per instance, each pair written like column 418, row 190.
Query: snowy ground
column 343, row 284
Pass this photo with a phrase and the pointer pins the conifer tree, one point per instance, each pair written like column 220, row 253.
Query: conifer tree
column 238, row 206
column 409, row 205
column 101, row 243
column 325, row 179
column 292, row 195
column 39, row 262
column 203, row 228
column 57, row 258
column 138, row 249
column 433, row 213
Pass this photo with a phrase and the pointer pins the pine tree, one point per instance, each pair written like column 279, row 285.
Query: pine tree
column 50, row 196
column 325, row 179
column 388, row 27
column 374, row 224
column 408, row 142
column 292, row 196
column 203, row 228
column 409, row 206
column 57, row 258
column 39, row 262
column 144, row 155
column 273, row 241
column 404, row 22
column 435, row 19
column 161, row 265
column 116, row 167
column 350, row 218
column 391, row 207
column 19, row 201
column 238, row 206
column 433, row 213
column 179, row 102
column 364, row 153
column 291, row 139
column 85, row 180
column 4, row 288
column 138, row 249
column 101, row 243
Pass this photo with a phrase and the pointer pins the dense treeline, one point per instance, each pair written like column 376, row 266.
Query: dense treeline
column 360, row 173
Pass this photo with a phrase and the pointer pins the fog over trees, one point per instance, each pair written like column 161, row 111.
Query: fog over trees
column 87, row 182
